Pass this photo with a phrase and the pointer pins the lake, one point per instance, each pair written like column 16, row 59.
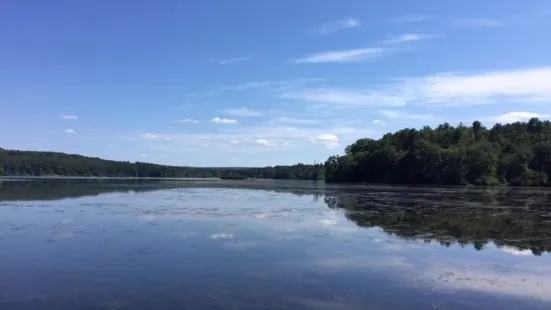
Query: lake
column 212, row 244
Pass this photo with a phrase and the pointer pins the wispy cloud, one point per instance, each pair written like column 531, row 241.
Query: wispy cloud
column 218, row 120
column 187, row 121
column 297, row 121
column 379, row 122
column 275, row 83
column 69, row 131
column 411, row 19
column 478, row 23
column 512, row 117
column 338, row 25
column 405, row 115
column 225, row 61
column 155, row 137
column 346, row 97
column 408, row 37
column 269, row 84
column 69, row 117
column 244, row 112
column 529, row 85
column 148, row 135
column 351, row 55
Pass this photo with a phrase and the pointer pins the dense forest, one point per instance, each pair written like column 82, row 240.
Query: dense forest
column 31, row 163
column 514, row 154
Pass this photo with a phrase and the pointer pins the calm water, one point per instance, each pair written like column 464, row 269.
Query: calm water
column 122, row 244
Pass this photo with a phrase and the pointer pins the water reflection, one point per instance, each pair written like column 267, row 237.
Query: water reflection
column 270, row 245
column 515, row 219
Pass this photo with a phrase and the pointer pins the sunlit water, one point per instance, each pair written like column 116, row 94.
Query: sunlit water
column 271, row 245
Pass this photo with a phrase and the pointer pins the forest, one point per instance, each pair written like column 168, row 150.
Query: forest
column 33, row 163
column 516, row 154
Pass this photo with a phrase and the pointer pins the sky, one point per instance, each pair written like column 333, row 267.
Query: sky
column 256, row 83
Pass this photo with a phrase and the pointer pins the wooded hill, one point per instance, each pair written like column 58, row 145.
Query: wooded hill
column 33, row 163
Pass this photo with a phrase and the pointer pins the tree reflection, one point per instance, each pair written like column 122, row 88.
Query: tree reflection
column 513, row 218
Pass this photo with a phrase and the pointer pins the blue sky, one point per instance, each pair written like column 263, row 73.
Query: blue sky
column 253, row 83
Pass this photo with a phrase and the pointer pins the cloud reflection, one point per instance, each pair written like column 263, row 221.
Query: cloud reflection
column 218, row 236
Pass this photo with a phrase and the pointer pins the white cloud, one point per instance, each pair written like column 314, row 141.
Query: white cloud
column 478, row 23
column 379, row 122
column 327, row 139
column 243, row 112
column 143, row 155
column 513, row 117
column 218, row 120
column 404, row 115
column 187, row 121
column 69, row 117
column 351, row 55
column 338, row 25
column 407, row 37
column 148, row 135
column 298, row 121
column 347, row 97
column 264, row 142
column 234, row 141
column 225, row 61
column 411, row 19
column 69, row 131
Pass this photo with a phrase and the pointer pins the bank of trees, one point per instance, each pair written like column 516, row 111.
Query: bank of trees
column 31, row 163
column 515, row 154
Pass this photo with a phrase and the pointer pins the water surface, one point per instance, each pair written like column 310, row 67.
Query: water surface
column 128, row 244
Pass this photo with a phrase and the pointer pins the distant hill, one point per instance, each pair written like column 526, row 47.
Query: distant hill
column 37, row 163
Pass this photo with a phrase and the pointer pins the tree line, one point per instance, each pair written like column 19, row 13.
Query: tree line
column 33, row 163
column 514, row 154
column 511, row 154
